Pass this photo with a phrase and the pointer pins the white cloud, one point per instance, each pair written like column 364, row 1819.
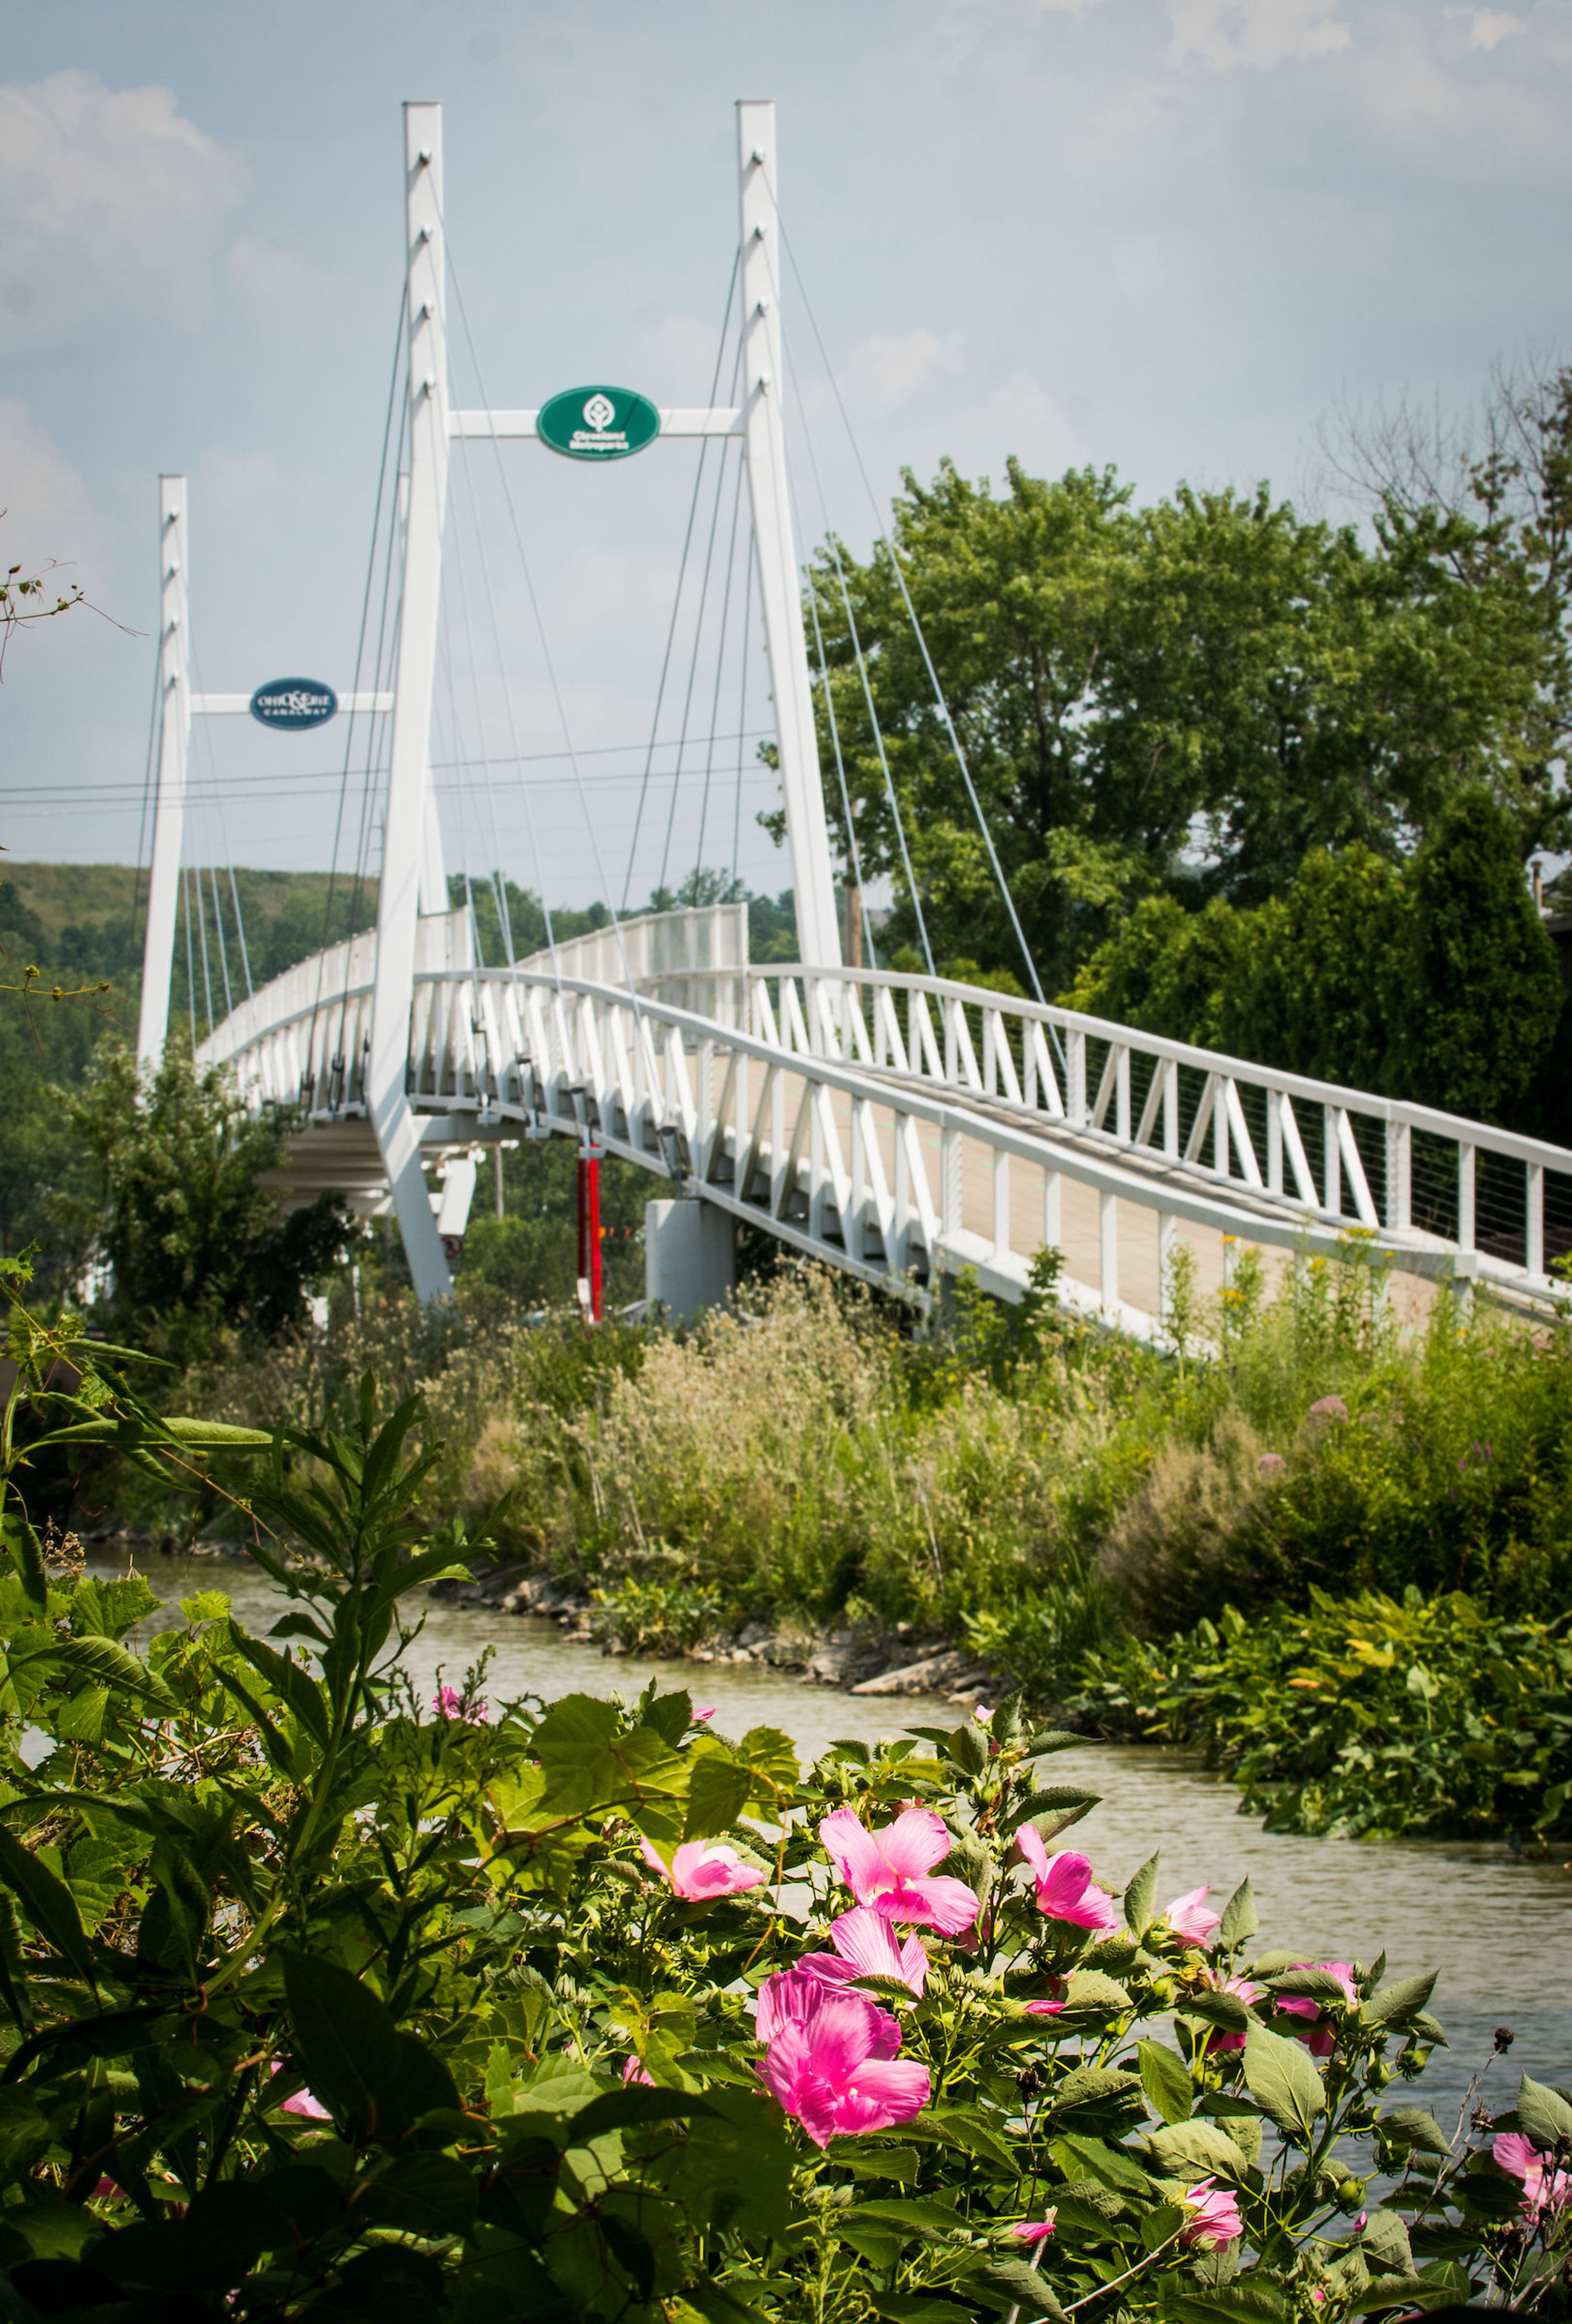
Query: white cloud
column 49, row 512
column 263, row 276
column 107, row 198
column 1254, row 33
column 888, row 368
column 1488, row 27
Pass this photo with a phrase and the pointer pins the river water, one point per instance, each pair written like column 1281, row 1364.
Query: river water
column 1498, row 1927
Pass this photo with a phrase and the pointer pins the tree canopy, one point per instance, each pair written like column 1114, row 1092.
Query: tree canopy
column 1203, row 690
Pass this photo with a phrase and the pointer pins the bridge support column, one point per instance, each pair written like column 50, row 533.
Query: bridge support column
column 174, row 733
column 689, row 1256
column 763, row 268
column 406, row 850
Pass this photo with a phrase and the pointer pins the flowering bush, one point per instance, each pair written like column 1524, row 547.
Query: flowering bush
column 321, row 2005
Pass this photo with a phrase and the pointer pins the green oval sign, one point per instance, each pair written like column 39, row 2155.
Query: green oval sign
column 598, row 423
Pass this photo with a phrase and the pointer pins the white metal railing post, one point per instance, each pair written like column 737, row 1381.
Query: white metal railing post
column 174, row 730
column 1466, row 1179
column 1076, row 1075
column 1535, row 1222
column 1398, row 1177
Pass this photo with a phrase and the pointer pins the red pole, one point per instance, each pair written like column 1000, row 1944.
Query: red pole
column 589, row 1276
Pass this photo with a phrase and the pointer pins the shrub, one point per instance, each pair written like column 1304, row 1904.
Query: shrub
column 1362, row 1716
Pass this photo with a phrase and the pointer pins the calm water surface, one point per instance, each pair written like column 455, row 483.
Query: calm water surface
column 1499, row 1928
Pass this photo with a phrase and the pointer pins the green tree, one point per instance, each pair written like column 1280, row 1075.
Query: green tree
column 193, row 1237
column 1431, row 979
column 1125, row 679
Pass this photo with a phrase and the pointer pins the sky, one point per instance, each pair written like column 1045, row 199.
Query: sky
column 1174, row 236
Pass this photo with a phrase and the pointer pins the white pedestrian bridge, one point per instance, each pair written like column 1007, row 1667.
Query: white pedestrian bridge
column 896, row 1127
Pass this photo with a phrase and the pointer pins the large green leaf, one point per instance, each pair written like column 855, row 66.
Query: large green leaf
column 48, row 1903
column 288, row 1680
column 1395, row 2002
column 1141, row 1897
column 110, row 1665
column 1166, row 2080
column 718, row 1793
column 1181, row 2146
column 346, row 2043
column 1543, row 2114
column 1280, row 2077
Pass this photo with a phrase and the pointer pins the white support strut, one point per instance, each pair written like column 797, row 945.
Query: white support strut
column 779, row 581
column 174, row 733
column 406, row 850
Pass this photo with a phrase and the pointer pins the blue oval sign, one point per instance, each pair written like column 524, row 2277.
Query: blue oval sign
column 294, row 703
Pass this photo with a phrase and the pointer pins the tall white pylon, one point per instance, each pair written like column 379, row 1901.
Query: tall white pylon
column 780, row 576
column 174, row 734
column 406, row 853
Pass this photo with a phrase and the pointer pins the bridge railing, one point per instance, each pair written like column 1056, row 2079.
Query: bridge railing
column 852, row 1155
column 1381, row 1165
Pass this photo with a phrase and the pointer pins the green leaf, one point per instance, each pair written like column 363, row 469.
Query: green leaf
column 106, row 1663
column 424, row 2194
column 347, row 2043
column 631, row 2105
column 1014, row 2283
column 1543, row 2114
column 1181, row 2146
column 28, row 1552
column 1447, row 2286
column 1089, row 1989
column 1383, row 2239
column 1282, row 2079
column 1051, row 1795
column 218, row 1435
column 1245, row 2302
column 288, row 1680
column 48, row 1903
column 1398, row 2001
column 1412, row 2126
column 1225, row 2009
column 1166, row 2080
column 1239, row 1922
column 718, row 1793
column 1142, row 1896
column 914, row 2216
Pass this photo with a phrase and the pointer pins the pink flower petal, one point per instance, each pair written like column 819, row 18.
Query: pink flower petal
column 1188, row 1915
column 1033, row 2231
column 1215, row 2220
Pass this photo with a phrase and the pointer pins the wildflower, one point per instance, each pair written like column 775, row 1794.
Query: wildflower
column 449, row 1702
column 1545, row 2189
column 1188, row 1915
column 1328, row 1407
column 884, row 1868
column 1216, row 2219
column 1043, row 2008
column 1322, row 2038
column 699, row 1874
column 1272, row 1464
column 865, row 1945
column 830, row 2061
column 1034, row 2231
column 633, row 2071
column 1066, row 1890
column 699, row 1717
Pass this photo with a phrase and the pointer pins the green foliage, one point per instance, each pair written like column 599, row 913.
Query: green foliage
column 193, row 1237
column 318, row 2005
column 1117, row 672
column 1362, row 1716
column 1433, row 980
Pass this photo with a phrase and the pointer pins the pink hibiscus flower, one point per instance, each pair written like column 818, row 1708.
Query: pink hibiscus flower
column 1544, row 2187
column 633, row 2071
column 1188, row 1915
column 865, row 1945
column 831, row 2062
column 1066, row 1890
column 886, row 1868
column 699, row 1873
column 1322, row 2038
column 708, row 1712
column 303, row 2102
column 1033, row 2231
column 1215, row 2220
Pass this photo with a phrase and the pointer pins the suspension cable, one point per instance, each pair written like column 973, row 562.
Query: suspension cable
column 861, row 669
column 387, row 429
column 682, row 573
column 938, row 693
column 742, row 701
column 147, row 767
column 698, row 635
column 725, row 601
